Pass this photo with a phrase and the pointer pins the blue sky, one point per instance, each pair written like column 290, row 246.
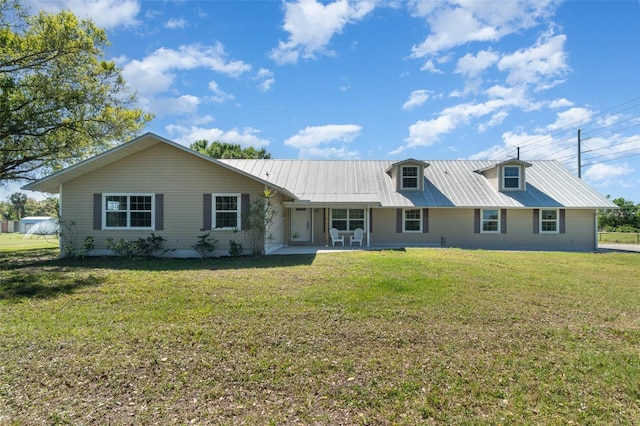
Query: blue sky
column 389, row 79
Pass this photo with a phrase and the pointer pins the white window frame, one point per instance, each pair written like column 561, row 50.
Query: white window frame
column 128, row 210
column 402, row 177
column 412, row 220
column 484, row 220
column 556, row 221
column 349, row 219
column 505, row 177
column 214, row 226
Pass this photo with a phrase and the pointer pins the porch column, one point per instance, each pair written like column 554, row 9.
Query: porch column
column 326, row 227
column 367, row 226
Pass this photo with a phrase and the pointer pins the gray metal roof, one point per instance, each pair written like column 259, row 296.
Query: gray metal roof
column 453, row 183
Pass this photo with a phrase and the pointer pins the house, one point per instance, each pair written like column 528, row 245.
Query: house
column 152, row 184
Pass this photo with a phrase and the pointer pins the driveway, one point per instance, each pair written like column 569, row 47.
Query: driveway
column 620, row 247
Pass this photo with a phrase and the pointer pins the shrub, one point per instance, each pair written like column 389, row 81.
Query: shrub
column 206, row 245
column 235, row 248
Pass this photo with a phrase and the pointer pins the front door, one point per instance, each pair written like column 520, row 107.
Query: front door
column 300, row 225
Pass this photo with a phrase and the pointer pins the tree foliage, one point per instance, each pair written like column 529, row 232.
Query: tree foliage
column 60, row 100
column 218, row 149
column 627, row 217
column 18, row 205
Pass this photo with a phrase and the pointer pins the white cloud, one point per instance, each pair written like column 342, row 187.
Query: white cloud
column 570, row 118
column 219, row 96
column 428, row 132
column 536, row 65
column 265, row 79
column 472, row 66
column 154, row 73
column 312, row 141
column 605, row 172
column 455, row 23
column 104, row 13
column 175, row 23
column 560, row 103
column 496, row 120
column 311, row 25
column 245, row 137
column 416, row 99
column 186, row 104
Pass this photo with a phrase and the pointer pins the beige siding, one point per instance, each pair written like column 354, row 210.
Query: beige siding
column 492, row 177
column 456, row 227
column 182, row 178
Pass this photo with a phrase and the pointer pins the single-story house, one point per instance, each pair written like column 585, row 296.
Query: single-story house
column 153, row 185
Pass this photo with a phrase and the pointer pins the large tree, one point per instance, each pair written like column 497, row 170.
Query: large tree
column 60, row 100
column 218, row 149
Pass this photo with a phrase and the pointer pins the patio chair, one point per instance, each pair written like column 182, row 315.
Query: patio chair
column 357, row 236
column 335, row 237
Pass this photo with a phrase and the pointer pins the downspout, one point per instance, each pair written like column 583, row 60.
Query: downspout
column 60, row 218
column 367, row 226
column 595, row 234
column 326, row 227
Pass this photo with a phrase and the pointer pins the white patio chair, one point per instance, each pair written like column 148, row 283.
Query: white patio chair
column 357, row 236
column 335, row 237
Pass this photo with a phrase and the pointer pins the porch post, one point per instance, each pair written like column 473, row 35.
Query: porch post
column 366, row 225
column 326, row 227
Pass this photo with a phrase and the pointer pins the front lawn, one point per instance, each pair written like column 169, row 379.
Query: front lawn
column 422, row 336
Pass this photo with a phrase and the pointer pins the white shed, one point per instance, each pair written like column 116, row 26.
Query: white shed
column 46, row 225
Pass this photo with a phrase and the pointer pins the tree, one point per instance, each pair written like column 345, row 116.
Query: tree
column 226, row 150
column 627, row 216
column 18, row 201
column 60, row 100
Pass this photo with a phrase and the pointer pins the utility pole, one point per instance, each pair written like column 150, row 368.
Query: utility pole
column 579, row 156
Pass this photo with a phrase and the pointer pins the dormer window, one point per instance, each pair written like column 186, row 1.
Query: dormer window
column 511, row 177
column 409, row 177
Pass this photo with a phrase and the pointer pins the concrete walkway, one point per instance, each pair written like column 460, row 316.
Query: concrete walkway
column 632, row 248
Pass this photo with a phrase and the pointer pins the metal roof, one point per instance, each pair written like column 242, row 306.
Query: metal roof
column 448, row 183
column 455, row 183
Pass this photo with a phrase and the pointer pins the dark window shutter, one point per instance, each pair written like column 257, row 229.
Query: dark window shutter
column 476, row 221
column 207, row 211
column 562, row 221
column 97, row 211
column 370, row 220
column 425, row 221
column 536, row 221
column 244, row 211
column 503, row 221
column 324, row 219
column 399, row 221
column 159, row 212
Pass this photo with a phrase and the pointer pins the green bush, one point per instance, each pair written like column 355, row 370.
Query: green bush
column 206, row 245
column 235, row 248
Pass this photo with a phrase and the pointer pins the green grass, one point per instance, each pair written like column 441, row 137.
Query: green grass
column 15, row 241
column 422, row 336
column 619, row 237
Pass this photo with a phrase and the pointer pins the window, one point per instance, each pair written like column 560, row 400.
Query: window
column 347, row 219
column 128, row 211
column 412, row 220
column 549, row 221
column 409, row 177
column 511, row 177
column 490, row 222
column 226, row 211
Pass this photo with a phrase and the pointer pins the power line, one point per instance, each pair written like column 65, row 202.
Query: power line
column 570, row 126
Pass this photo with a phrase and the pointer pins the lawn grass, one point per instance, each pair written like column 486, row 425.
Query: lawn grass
column 619, row 237
column 422, row 336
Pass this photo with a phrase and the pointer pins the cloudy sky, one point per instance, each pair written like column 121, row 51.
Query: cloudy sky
column 365, row 79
